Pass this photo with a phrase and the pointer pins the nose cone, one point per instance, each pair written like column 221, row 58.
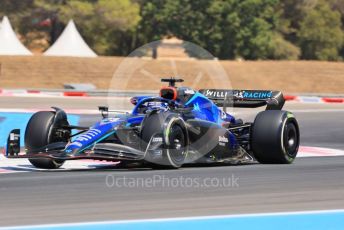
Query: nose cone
column 95, row 134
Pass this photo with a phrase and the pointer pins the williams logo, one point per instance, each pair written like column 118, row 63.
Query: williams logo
column 157, row 139
column 257, row 94
column 216, row 93
column 88, row 135
column 249, row 94
column 223, row 139
column 189, row 91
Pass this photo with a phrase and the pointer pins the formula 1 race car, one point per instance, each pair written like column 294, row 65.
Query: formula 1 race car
column 180, row 126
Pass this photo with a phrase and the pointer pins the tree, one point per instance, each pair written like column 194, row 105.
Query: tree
column 16, row 9
column 320, row 35
column 19, row 13
column 228, row 29
column 106, row 25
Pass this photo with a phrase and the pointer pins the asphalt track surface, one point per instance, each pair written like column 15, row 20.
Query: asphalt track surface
column 84, row 195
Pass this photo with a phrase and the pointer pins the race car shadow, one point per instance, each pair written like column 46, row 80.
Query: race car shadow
column 200, row 165
column 102, row 167
column 98, row 168
column 16, row 168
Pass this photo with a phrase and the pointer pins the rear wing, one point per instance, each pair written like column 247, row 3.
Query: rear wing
column 273, row 100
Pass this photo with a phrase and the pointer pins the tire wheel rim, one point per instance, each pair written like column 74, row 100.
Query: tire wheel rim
column 177, row 144
column 291, row 139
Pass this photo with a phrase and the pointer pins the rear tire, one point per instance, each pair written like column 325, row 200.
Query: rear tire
column 172, row 129
column 39, row 134
column 275, row 137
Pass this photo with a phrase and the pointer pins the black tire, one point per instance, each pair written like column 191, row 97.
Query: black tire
column 275, row 137
column 38, row 134
column 173, row 131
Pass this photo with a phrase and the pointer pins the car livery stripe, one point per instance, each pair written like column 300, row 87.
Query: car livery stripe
column 99, row 140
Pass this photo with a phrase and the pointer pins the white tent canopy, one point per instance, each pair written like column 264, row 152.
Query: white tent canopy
column 70, row 43
column 9, row 43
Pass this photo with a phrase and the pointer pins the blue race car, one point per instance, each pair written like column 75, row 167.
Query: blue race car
column 180, row 126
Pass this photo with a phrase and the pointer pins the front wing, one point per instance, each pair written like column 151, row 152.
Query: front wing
column 99, row 151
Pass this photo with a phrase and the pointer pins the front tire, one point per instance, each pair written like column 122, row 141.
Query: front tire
column 275, row 137
column 172, row 130
column 39, row 134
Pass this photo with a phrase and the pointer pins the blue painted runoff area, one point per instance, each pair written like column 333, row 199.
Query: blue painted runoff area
column 10, row 120
column 321, row 220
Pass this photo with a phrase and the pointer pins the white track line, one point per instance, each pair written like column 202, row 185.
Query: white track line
column 69, row 111
column 305, row 151
column 23, row 165
column 173, row 219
